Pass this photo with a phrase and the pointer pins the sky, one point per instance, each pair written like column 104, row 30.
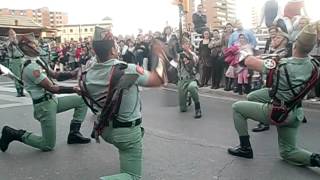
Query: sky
column 130, row 15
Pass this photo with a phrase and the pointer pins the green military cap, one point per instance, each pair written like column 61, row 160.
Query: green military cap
column 102, row 42
column 307, row 38
column 101, row 34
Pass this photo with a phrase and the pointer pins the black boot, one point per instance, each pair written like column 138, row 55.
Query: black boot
column 226, row 87
column 189, row 100
column 8, row 135
column 20, row 93
column 247, row 88
column 75, row 137
column 240, row 91
column 235, row 85
column 244, row 150
column 229, row 86
column 197, row 110
column 315, row 160
column 261, row 127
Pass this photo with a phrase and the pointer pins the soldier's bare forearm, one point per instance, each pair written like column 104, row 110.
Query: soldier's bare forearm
column 254, row 63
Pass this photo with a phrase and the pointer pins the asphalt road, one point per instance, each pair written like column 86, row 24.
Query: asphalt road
column 176, row 146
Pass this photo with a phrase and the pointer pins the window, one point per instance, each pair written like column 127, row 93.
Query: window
column 64, row 31
column 71, row 30
column 91, row 29
column 85, row 30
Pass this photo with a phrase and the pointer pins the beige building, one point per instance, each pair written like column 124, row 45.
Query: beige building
column 42, row 16
column 81, row 31
column 219, row 12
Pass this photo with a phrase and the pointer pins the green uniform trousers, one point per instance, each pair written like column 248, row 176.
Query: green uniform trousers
column 185, row 86
column 15, row 66
column 46, row 113
column 129, row 143
column 257, row 109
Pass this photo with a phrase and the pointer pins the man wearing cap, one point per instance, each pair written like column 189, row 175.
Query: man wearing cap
column 111, row 91
column 278, row 47
column 187, row 83
column 15, row 60
column 284, row 88
column 37, row 80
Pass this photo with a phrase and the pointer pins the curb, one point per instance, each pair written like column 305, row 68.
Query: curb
column 220, row 92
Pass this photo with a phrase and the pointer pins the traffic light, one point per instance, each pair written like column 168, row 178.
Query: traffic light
column 184, row 3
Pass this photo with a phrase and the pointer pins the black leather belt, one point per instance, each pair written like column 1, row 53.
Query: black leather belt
column 46, row 97
column 118, row 124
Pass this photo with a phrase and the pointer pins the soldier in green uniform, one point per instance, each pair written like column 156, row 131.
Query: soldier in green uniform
column 45, row 52
column 280, row 104
column 36, row 78
column 279, row 48
column 187, row 83
column 15, row 60
column 123, row 128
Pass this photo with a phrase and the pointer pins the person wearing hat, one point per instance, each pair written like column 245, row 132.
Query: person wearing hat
column 281, row 103
column 36, row 77
column 278, row 47
column 186, row 83
column 112, row 92
column 15, row 60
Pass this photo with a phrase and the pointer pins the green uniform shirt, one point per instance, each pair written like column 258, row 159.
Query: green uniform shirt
column 186, row 71
column 32, row 75
column 97, row 82
column 44, row 55
column 299, row 70
column 14, row 52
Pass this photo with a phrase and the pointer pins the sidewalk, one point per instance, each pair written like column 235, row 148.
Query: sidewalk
column 230, row 94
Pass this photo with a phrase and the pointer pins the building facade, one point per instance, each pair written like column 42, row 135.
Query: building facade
column 78, row 32
column 219, row 12
column 42, row 16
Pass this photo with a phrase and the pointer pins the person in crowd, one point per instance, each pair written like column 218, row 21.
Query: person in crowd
column 251, row 39
column 269, row 13
column 199, row 20
column 128, row 53
column 140, row 50
column 205, row 59
column 217, row 59
column 240, row 30
column 225, row 40
column 242, row 71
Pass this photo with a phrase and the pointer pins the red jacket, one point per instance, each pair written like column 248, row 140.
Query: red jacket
column 231, row 55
